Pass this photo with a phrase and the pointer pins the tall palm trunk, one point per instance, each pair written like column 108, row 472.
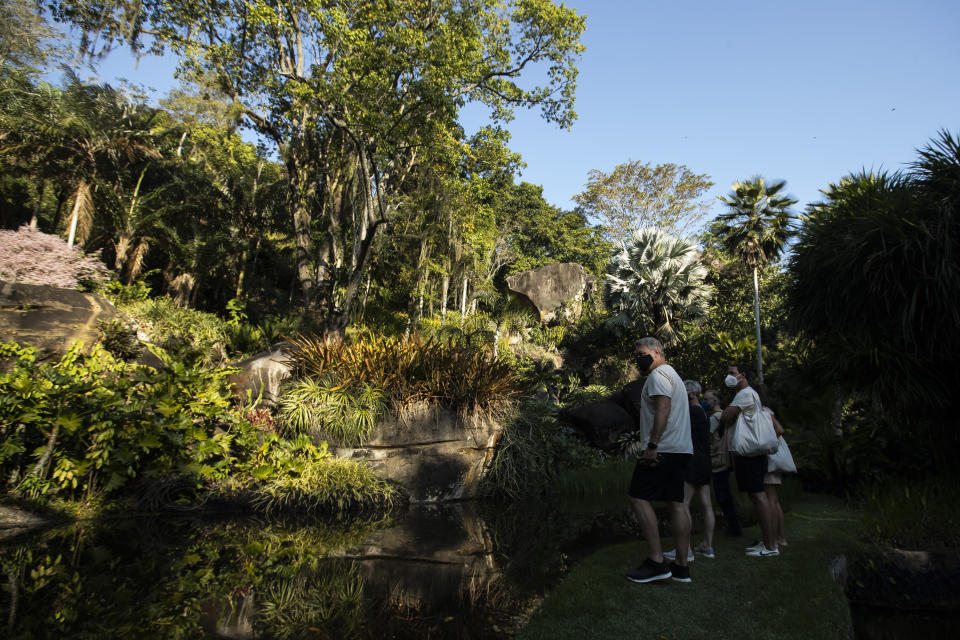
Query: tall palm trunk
column 756, row 315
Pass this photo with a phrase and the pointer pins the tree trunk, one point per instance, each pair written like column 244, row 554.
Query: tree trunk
column 40, row 469
column 463, row 300
column 80, row 202
column 444, row 292
column 756, row 314
column 41, row 187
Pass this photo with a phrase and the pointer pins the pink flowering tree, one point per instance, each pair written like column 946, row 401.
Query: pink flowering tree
column 30, row 256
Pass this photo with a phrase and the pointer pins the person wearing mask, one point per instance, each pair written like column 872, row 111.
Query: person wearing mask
column 720, row 439
column 749, row 470
column 664, row 416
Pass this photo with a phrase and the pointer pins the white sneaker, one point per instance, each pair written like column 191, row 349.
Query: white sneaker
column 763, row 552
column 755, row 547
column 672, row 555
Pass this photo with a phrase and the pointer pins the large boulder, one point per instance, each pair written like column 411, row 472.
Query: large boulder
column 602, row 423
column 261, row 375
column 555, row 290
column 436, row 454
column 50, row 318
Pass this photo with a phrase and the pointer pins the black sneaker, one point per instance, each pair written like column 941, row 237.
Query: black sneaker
column 650, row 571
column 680, row 573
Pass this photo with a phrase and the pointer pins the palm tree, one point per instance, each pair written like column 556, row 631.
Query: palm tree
column 755, row 228
column 657, row 279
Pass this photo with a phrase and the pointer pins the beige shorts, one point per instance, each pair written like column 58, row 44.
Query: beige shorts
column 774, row 477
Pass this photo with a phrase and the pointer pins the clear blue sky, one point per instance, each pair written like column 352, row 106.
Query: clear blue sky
column 805, row 90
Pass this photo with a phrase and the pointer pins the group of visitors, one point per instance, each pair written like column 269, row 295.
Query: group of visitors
column 687, row 444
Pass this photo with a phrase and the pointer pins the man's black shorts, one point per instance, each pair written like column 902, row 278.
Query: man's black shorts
column 662, row 481
column 749, row 472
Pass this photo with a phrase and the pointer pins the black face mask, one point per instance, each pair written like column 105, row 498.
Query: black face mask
column 644, row 362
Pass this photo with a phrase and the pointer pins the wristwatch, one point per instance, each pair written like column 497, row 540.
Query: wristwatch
column 651, row 445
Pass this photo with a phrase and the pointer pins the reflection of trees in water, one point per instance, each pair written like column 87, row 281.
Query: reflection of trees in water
column 442, row 572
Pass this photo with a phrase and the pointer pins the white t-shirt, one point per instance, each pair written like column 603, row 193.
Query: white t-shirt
column 664, row 381
column 749, row 403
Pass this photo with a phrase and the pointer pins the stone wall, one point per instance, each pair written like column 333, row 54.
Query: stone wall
column 435, row 453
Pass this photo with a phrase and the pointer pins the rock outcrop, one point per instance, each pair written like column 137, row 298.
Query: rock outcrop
column 555, row 290
column 436, row 454
column 50, row 318
column 262, row 374
column 602, row 423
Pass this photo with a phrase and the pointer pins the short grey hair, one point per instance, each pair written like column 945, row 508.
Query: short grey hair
column 650, row 343
column 692, row 386
column 713, row 397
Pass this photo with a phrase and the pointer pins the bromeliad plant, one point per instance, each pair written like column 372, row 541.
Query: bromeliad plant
column 409, row 369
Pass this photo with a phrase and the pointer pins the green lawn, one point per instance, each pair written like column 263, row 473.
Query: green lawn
column 733, row 596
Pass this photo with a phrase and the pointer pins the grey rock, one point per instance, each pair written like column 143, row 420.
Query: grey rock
column 264, row 374
column 50, row 318
column 434, row 453
column 555, row 290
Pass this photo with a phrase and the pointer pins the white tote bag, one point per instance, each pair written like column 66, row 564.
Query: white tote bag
column 782, row 460
column 755, row 442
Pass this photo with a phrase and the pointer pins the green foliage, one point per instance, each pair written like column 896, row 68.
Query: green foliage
column 118, row 338
column 408, row 369
column 533, row 451
column 655, row 281
column 918, row 514
column 885, row 332
column 305, row 479
column 186, row 334
column 635, row 195
column 92, row 425
column 325, row 408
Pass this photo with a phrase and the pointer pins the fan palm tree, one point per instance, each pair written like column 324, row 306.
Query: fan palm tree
column 755, row 228
column 657, row 279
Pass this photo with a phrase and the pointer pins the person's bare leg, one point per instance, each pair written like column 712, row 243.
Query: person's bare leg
column 680, row 523
column 776, row 512
column 709, row 520
column 688, row 491
column 762, row 506
column 649, row 528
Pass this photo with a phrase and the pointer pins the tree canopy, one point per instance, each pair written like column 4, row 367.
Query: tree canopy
column 635, row 195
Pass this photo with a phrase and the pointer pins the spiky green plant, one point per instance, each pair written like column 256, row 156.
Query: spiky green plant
column 654, row 281
column 408, row 369
column 343, row 412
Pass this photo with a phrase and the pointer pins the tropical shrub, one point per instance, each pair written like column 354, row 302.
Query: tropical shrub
column 33, row 257
column 408, row 369
column 534, row 450
column 343, row 412
column 874, row 294
column 92, row 425
column 655, row 281
column 185, row 334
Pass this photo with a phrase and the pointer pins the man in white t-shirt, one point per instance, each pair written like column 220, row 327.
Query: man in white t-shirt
column 664, row 413
column 749, row 470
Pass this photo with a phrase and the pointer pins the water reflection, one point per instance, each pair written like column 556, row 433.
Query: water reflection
column 465, row 570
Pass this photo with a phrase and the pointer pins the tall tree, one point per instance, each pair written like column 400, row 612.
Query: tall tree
column 354, row 94
column 636, row 195
column 656, row 280
column 756, row 226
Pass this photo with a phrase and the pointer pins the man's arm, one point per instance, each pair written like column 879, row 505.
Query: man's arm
column 661, row 411
column 729, row 415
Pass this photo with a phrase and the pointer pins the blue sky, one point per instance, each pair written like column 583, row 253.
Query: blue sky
column 806, row 91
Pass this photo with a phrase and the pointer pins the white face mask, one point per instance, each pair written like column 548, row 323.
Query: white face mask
column 730, row 380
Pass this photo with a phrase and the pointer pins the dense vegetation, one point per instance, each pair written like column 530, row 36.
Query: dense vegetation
column 337, row 200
